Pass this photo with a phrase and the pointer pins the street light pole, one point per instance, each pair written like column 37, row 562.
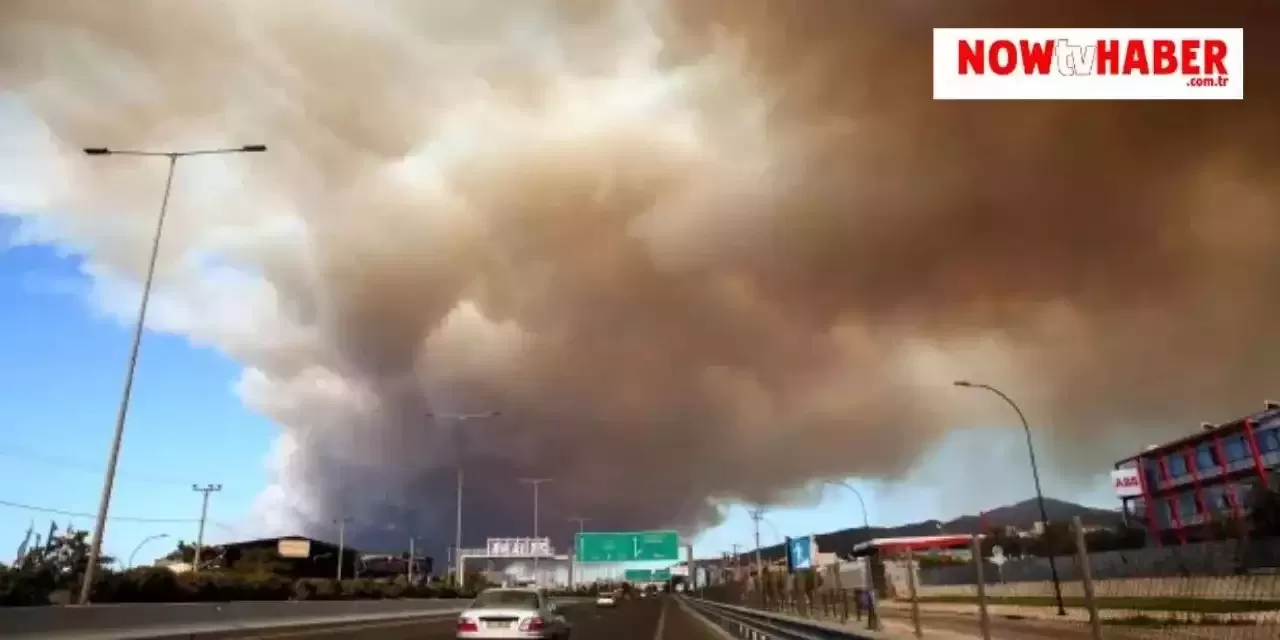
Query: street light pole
column 122, row 412
column 413, row 558
column 342, row 541
column 144, row 542
column 1035, row 476
column 573, row 552
column 757, row 515
column 462, row 450
column 536, row 483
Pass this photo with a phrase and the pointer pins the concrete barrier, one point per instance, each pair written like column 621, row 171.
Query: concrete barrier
column 150, row 620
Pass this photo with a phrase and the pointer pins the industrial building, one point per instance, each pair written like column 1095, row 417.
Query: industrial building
column 1174, row 490
column 299, row 557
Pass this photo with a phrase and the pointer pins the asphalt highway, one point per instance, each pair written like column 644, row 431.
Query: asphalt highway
column 652, row 619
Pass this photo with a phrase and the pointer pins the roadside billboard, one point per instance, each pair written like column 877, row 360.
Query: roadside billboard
column 1127, row 483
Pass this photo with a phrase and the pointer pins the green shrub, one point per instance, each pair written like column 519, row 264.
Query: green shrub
column 20, row 588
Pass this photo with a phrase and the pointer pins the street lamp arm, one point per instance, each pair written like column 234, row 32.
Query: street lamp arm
column 107, row 151
column 866, row 522
column 142, row 544
column 1007, row 400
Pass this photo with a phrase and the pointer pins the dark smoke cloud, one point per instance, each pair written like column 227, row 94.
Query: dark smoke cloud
column 711, row 250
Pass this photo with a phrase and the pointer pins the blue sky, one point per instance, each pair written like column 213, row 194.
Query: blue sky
column 61, row 370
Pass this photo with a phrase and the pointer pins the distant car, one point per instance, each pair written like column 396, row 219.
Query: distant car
column 607, row 600
column 507, row 614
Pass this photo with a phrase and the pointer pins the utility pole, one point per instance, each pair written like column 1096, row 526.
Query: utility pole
column 536, row 483
column 462, row 451
column 757, row 515
column 204, row 514
column 342, row 542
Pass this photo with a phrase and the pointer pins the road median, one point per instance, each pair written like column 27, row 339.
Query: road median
column 170, row 620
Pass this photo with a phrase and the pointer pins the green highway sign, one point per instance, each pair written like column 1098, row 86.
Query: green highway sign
column 662, row 574
column 632, row 546
column 637, row 575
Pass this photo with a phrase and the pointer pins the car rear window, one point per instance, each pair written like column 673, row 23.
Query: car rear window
column 505, row 599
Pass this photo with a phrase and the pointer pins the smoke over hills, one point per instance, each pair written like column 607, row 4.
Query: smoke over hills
column 665, row 240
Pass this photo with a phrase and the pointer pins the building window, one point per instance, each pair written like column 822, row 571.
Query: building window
column 1215, row 500
column 1236, row 448
column 1177, row 465
column 1187, row 506
column 1268, row 440
column 1206, row 457
column 1241, row 493
column 1164, row 513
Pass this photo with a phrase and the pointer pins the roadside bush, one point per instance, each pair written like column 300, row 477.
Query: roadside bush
column 148, row 584
column 25, row 588
column 158, row 584
column 315, row 589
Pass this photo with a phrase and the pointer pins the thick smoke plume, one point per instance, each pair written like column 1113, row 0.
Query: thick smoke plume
column 691, row 251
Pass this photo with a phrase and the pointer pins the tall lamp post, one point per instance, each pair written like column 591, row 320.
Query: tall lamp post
column 573, row 552
column 1035, row 475
column 457, row 518
column 535, row 483
column 104, row 504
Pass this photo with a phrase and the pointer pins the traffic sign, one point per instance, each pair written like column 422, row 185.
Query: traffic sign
column 638, row 575
column 662, row 574
column 632, row 546
column 800, row 553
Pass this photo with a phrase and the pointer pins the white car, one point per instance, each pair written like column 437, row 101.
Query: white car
column 506, row 614
column 607, row 600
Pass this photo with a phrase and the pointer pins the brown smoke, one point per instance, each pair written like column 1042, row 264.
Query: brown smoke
column 715, row 249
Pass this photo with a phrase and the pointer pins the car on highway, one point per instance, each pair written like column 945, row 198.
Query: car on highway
column 512, row 613
column 608, row 599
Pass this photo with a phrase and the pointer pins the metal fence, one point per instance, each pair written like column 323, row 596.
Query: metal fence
column 1190, row 592
column 1212, row 590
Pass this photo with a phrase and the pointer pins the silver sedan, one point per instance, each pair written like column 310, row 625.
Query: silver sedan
column 506, row 614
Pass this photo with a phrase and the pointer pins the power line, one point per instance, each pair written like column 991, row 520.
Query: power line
column 81, row 514
column 82, row 466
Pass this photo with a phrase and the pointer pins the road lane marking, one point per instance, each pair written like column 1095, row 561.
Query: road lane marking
column 662, row 621
column 321, row 631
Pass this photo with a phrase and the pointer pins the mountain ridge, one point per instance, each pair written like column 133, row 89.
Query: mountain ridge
column 1021, row 515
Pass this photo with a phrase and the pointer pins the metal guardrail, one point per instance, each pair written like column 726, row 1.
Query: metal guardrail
column 752, row 624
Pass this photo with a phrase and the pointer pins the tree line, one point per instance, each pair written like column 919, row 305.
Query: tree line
column 53, row 572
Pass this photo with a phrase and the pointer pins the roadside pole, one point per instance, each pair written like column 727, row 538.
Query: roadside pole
column 915, row 598
column 1086, row 576
column 984, row 618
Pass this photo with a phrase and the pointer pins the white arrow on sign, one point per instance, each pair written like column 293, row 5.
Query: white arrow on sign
column 997, row 555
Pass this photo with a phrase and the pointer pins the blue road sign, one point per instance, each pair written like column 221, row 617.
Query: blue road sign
column 800, row 553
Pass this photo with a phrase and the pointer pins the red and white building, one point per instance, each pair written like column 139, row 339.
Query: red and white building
column 1174, row 489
